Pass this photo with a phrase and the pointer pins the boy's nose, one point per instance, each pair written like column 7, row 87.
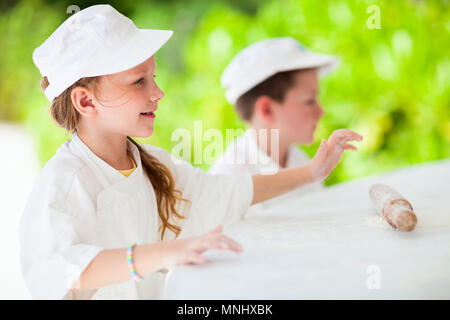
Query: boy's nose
column 321, row 111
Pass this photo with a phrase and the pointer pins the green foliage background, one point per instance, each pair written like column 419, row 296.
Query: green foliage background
column 392, row 85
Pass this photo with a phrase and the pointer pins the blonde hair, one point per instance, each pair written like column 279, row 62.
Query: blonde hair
column 65, row 115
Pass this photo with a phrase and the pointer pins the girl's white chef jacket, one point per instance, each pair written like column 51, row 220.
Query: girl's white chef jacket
column 244, row 156
column 80, row 205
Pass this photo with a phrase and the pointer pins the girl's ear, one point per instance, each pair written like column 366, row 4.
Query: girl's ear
column 82, row 101
column 264, row 109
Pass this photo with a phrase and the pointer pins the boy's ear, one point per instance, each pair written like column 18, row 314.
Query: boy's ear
column 82, row 101
column 264, row 109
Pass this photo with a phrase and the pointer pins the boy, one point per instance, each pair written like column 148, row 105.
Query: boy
column 273, row 85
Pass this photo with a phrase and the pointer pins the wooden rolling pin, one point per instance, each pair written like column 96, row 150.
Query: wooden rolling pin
column 390, row 204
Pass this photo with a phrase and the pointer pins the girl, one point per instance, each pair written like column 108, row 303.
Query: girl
column 107, row 217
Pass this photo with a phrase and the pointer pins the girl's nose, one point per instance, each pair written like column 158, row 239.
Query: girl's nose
column 156, row 94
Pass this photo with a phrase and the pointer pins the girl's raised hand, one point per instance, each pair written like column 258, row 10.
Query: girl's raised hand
column 330, row 152
column 188, row 251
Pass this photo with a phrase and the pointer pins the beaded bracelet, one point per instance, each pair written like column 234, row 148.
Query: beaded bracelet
column 130, row 252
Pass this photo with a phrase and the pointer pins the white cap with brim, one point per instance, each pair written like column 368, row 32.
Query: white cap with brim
column 263, row 59
column 95, row 41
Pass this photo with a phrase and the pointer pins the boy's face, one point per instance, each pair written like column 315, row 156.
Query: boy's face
column 125, row 95
column 298, row 115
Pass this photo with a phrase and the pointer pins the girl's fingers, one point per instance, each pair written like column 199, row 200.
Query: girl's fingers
column 195, row 258
column 232, row 245
column 349, row 135
column 212, row 244
column 342, row 144
column 217, row 229
column 322, row 150
column 349, row 146
column 217, row 241
column 345, row 135
column 221, row 241
column 323, row 146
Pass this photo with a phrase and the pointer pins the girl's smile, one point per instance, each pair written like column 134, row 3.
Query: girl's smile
column 149, row 114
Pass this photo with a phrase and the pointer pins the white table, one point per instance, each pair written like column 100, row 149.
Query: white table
column 333, row 245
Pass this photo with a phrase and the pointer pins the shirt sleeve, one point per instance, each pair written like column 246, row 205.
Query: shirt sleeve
column 52, row 257
column 214, row 199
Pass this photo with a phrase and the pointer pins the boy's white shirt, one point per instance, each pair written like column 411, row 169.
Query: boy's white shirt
column 239, row 158
column 80, row 205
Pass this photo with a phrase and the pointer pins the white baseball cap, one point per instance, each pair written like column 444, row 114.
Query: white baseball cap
column 265, row 58
column 95, row 41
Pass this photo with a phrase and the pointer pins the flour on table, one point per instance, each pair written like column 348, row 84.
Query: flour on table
column 377, row 221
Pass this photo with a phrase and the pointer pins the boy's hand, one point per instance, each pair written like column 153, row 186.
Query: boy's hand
column 330, row 152
column 188, row 251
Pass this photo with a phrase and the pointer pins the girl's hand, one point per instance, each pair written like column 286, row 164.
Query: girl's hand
column 330, row 152
column 188, row 251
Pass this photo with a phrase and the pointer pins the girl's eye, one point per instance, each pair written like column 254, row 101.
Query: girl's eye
column 310, row 102
column 140, row 81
